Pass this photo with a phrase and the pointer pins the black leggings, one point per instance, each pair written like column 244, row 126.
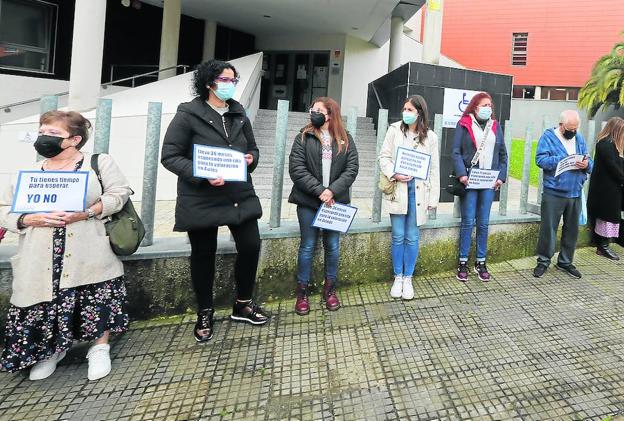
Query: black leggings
column 203, row 250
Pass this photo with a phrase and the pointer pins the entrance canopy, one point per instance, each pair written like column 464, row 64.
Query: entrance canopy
column 359, row 18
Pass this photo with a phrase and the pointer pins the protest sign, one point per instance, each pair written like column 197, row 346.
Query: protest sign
column 568, row 163
column 212, row 162
column 47, row 191
column 482, row 179
column 335, row 218
column 412, row 163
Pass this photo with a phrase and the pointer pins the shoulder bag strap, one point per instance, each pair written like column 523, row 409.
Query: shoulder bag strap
column 96, row 169
column 486, row 131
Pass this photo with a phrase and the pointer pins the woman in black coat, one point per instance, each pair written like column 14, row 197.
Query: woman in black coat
column 604, row 200
column 323, row 165
column 213, row 118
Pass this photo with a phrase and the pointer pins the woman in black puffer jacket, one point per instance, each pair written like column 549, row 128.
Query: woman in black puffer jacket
column 323, row 165
column 203, row 205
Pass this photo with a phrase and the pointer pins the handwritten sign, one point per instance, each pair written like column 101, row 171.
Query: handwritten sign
column 482, row 179
column 47, row 191
column 412, row 163
column 213, row 162
column 335, row 218
column 568, row 163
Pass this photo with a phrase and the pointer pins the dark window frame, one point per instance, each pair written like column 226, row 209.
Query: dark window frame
column 519, row 49
column 49, row 50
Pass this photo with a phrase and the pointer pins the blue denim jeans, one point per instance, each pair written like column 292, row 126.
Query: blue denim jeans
column 309, row 237
column 405, row 236
column 475, row 207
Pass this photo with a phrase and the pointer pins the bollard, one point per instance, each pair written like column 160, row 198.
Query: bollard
column 150, row 170
column 591, row 144
column 382, row 128
column 47, row 103
column 526, row 169
column 278, row 165
column 540, row 185
column 103, row 125
column 352, row 122
column 437, row 128
column 504, row 191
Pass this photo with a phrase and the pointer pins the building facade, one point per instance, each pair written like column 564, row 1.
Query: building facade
column 549, row 47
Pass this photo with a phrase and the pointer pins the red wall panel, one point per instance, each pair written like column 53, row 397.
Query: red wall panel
column 566, row 37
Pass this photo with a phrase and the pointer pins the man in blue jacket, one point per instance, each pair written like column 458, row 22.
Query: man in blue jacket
column 562, row 193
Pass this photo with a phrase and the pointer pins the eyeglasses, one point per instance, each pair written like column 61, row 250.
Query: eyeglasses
column 233, row 80
column 312, row 110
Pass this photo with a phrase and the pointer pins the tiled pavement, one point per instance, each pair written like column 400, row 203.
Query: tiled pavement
column 515, row 348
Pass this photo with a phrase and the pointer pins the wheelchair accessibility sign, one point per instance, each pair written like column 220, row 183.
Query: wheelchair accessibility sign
column 455, row 103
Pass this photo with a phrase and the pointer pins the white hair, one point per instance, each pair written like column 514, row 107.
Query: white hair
column 569, row 115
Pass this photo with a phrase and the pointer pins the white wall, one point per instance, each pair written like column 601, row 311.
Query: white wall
column 306, row 42
column 21, row 88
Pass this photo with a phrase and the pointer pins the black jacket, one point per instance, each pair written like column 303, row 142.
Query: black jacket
column 199, row 204
column 306, row 171
column 604, row 199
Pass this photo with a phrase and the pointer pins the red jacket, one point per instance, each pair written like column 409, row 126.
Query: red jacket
column 466, row 121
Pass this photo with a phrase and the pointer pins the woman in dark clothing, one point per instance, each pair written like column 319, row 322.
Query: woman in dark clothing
column 479, row 136
column 323, row 165
column 604, row 200
column 213, row 118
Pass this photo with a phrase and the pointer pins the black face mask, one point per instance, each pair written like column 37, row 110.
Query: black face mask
column 317, row 119
column 49, row 146
column 569, row 134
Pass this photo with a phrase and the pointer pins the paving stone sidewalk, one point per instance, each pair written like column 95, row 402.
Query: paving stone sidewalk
column 517, row 348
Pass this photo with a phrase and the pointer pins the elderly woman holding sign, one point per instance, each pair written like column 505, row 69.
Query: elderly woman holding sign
column 210, row 146
column 478, row 145
column 323, row 165
column 409, row 190
column 67, row 282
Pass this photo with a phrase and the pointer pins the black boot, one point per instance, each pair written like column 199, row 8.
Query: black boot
column 603, row 248
column 203, row 328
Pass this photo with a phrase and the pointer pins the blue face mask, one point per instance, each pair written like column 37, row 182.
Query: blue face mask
column 409, row 117
column 484, row 113
column 225, row 90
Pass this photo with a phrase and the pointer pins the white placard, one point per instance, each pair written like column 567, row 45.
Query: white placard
column 568, row 163
column 335, row 218
column 455, row 103
column 47, row 191
column 413, row 163
column 482, row 179
column 212, row 162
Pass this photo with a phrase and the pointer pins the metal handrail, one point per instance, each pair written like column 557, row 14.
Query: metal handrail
column 7, row 108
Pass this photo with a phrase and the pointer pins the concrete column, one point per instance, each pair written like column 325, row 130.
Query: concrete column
column 210, row 38
column 169, row 37
column 432, row 42
column 396, row 36
column 85, row 76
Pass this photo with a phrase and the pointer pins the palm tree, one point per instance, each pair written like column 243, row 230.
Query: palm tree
column 605, row 87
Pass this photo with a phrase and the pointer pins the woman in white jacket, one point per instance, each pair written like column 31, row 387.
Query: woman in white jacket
column 411, row 200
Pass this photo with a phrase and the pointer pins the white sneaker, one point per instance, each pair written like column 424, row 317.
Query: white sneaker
column 397, row 287
column 44, row 369
column 408, row 289
column 99, row 361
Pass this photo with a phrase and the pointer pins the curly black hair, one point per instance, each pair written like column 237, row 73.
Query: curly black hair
column 205, row 75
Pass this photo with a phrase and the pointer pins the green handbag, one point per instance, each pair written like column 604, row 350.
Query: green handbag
column 125, row 229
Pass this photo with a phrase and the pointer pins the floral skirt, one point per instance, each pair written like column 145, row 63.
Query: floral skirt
column 607, row 229
column 82, row 313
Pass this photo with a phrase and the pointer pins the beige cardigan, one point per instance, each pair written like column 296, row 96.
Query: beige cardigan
column 88, row 256
column 427, row 191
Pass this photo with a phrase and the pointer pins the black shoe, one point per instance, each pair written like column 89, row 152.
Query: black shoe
column 203, row 328
column 539, row 270
column 605, row 250
column 570, row 270
column 248, row 312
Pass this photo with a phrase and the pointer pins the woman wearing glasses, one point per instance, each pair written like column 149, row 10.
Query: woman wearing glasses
column 323, row 165
column 213, row 118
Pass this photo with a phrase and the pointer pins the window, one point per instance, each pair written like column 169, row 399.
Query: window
column 519, row 48
column 560, row 94
column 524, row 92
column 27, row 35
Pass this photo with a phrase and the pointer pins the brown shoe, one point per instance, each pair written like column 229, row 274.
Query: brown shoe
column 302, row 306
column 332, row 302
